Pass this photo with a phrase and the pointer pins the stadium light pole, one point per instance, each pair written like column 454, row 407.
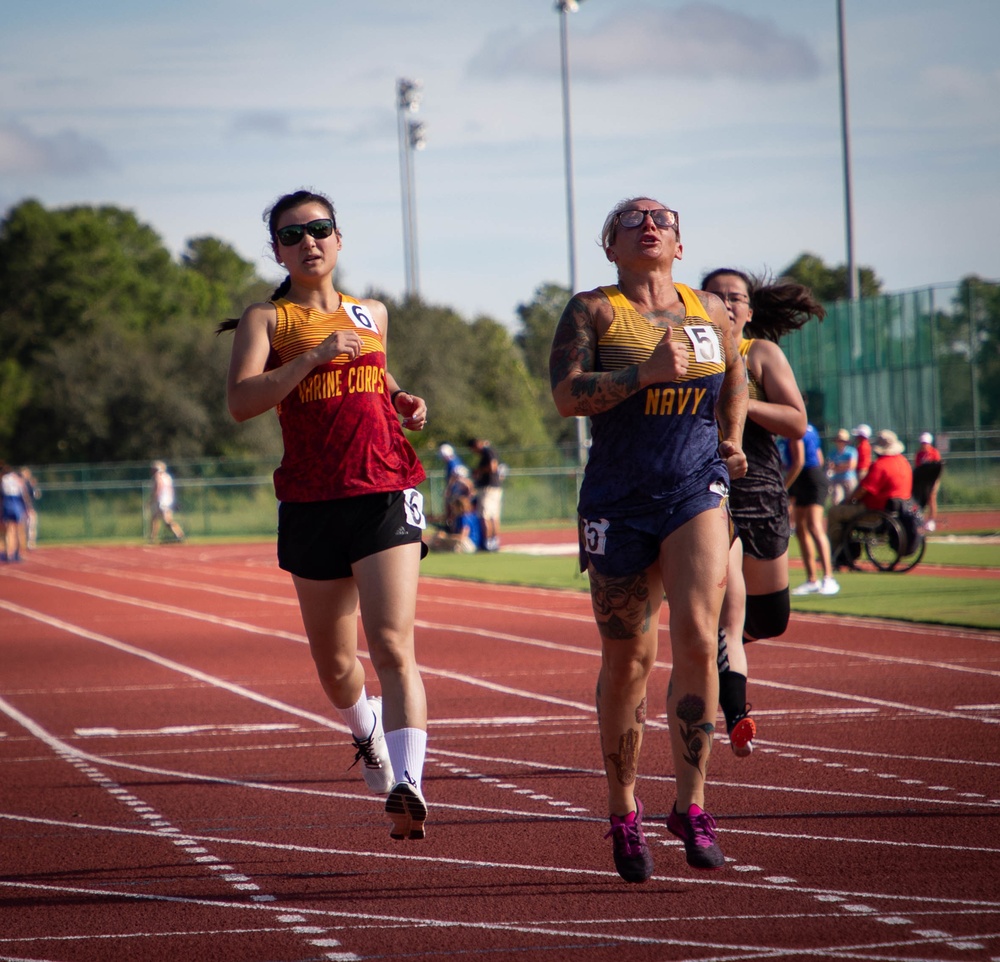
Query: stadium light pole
column 416, row 142
column 408, row 96
column 853, row 287
column 565, row 8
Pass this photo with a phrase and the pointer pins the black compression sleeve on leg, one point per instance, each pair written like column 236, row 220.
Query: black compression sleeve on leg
column 767, row 615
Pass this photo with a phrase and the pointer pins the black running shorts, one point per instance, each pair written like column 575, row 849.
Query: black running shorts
column 321, row 540
column 764, row 538
column 810, row 487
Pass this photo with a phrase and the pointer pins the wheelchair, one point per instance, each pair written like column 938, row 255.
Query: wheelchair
column 891, row 540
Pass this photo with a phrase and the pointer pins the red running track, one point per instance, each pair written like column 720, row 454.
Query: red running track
column 173, row 786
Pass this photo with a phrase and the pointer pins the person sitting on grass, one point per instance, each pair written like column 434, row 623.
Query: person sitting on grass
column 465, row 532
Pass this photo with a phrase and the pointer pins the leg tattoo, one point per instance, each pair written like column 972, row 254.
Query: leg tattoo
column 640, row 712
column 696, row 734
column 626, row 759
column 621, row 605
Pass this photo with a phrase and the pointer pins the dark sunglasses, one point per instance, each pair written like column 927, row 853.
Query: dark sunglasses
column 292, row 234
column 661, row 217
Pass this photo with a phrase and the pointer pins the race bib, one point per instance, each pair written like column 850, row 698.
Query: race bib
column 413, row 505
column 595, row 535
column 705, row 342
column 361, row 318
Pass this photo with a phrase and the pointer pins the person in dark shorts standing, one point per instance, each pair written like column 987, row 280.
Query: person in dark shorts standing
column 810, row 490
column 489, row 490
column 655, row 366
column 757, row 596
column 350, row 520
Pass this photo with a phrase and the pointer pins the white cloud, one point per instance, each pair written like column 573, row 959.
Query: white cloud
column 64, row 153
column 697, row 39
column 727, row 109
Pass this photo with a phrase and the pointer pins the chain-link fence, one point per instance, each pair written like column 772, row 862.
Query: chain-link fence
column 918, row 361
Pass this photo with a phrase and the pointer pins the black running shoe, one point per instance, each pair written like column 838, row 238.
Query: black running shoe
column 633, row 859
column 697, row 831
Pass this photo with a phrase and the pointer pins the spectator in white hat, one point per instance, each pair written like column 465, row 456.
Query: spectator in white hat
column 842, row 467
column 862, row 433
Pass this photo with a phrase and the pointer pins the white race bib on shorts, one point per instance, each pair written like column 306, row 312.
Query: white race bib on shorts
column 413, row 505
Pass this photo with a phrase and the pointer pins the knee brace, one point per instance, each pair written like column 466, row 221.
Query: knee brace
column 767, row 615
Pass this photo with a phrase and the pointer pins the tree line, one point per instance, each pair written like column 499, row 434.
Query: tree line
column 110, row 351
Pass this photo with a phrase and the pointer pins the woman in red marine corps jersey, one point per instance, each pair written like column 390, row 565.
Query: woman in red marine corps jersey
column 350, row 519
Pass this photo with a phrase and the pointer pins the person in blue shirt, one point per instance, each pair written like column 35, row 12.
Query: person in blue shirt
column 809, row 491
column 841, row 467
column 464, row 533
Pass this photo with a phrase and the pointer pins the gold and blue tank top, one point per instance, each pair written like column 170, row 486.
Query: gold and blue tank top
column 661, row 443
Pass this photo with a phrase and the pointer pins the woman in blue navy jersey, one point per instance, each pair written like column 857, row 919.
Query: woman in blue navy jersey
column 656, row 368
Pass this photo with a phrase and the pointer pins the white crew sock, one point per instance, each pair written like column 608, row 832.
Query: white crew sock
column 359, row 717
column 407, row 748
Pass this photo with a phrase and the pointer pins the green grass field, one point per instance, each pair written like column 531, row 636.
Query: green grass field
column 972, row 602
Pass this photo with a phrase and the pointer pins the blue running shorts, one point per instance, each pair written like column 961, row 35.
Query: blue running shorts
column 617, row 547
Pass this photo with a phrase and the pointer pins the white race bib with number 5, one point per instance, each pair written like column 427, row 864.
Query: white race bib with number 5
column 705, row 341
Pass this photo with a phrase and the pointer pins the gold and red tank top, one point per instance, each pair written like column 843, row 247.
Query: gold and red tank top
column 341, row 436
column 661, row 443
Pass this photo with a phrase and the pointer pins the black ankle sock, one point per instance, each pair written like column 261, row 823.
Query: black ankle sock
column 732, row 696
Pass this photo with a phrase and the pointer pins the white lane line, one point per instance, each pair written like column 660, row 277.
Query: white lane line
column 325, row 722
column 235, row 728
column 465, row 630
column 284, row 707
column 177, row 666
column 163, row 581
column 880, row 657
column 897, row 627
column 432, row 861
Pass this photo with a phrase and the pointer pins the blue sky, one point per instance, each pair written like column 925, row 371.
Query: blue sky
column 197, row 115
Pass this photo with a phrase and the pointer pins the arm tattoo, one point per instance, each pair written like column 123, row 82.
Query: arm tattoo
column 573, row 357
column 599, row 391
column 572, row 344
column 734, row 396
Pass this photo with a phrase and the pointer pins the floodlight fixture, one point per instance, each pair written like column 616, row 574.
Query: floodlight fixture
column 417, row 129
column 409, row 94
